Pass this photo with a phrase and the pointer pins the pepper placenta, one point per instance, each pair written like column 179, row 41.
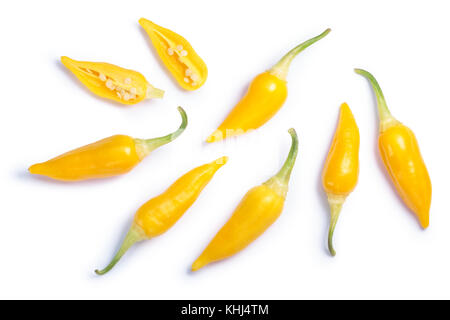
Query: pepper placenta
column 340, row 173
column 401, row 156
column 159, row 214
column 257, row 211
column 113, row 82
column 178, row 56
column 108, row 157
column 265, row 96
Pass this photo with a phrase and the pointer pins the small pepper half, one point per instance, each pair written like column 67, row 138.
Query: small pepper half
column 340, row 173
column 178, row 56
column 402, row 159
column 108, row 157
column 113, row 82
column 257, row 211
column 159, row 214
column 265, row 96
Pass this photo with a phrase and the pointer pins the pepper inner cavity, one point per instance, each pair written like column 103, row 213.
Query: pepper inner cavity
column 113, row 85
column 189, row 75
column 177, row 49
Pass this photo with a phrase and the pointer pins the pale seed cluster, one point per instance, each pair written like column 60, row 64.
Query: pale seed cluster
column 121, row 92
column 189, row 74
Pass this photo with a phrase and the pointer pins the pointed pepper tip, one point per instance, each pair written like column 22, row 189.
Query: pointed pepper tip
column 221, row 161
column 424, row 223
column 34, row 169
column 215, row 136
column 66, row 60
column 143, row 21
column 197, row 265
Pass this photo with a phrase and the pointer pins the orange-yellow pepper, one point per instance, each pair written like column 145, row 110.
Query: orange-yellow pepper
column 340, row 173
column 105, row 158
column 159, row 214
column 178, row 56
column 112, row 82
column 257, row 211
column 401, row 156
column 265, row 96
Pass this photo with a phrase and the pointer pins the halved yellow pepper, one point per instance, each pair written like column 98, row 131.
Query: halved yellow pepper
column 112, row 82
column 177, row 55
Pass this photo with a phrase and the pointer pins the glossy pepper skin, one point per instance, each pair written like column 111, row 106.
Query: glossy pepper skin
column 257, row 211
column 265, row 96
column 178, row 56
column 401, row 156
column 159, row 214
column 340, row 173
column 108, row 157
column 112, row 82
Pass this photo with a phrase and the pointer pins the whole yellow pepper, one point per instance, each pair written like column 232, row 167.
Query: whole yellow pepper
column 108, row 157
column 401, row 156
column 159, row 214
column 257, row 211
column 340, row 173
column 112, row 82
column 178, row 56
column 265, row 96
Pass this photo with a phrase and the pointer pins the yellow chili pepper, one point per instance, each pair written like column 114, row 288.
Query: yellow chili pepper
column 401, row 156
column 265, row 96
column 340, row 173
column 113, row 82
column 105, row 158
column 159, row 214
column 177, row 55
column 258, row 210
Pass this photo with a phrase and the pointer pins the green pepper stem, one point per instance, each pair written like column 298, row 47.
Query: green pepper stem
column 145, row 146
column 157, row 142
column 386, row 117
column 281, row 69
column 280, row 181
column 285, row 172
column 153, row 92
column 335, row 209
column 135, row 234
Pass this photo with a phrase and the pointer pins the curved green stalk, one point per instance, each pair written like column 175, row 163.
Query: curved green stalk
column 285, row 172
column 280, row 181
column 335, row 210
column 145, row 146
column 157, row 142
column 135, row 234
column 386, row 117
column 281, row 69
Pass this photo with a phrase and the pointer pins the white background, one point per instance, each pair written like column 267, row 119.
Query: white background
column 53, row 235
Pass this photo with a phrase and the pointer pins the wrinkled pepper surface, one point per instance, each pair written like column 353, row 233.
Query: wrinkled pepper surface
column 340, row 173
column 178, row 56
column 159, row 214
column 401, row 156
column 257, row 211
column 265, row 96
column 108, row 157
column 112, row 82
